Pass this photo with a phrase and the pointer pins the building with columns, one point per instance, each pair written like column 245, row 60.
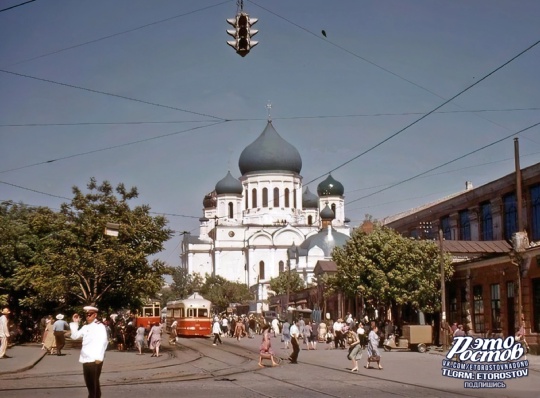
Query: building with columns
column 250, row 223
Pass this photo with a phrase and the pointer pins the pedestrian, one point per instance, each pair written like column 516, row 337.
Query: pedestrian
column 373, row 347
column 154, row 339
column 225, row 326
column 4, row 333
column 139, row 338
column 59, row 328
column 173, row 332
column 355, row 348
column 322, row 330
column 459, row 331
column 295, row 335
column 338, row 333
column 314, row 337
column 275, row 326
column 94, row 344
column 216, row 329
column 286, row 334
column 362, row 335
column 265, row 351
column 49, row 341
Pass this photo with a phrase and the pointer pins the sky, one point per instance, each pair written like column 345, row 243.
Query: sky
column 402, row 101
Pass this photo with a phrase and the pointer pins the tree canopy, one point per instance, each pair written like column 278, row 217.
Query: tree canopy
column 292, row 279
column 389, row 269
column 222, row 292
column 65, row 260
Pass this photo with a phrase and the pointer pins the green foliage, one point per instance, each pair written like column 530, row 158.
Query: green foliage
column 292, row 279
column 64, row 259
column 387, row 268
column 184, row 284
column 222, row 292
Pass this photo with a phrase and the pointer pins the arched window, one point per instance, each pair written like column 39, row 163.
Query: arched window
column 294, row 199
column 261, row 270
column 334, row 208
column 281, row 267
column 254, row 198
column 231, row 208
column 276, row 197
column 287, row 204
column 265, row 197
column 310, row 220
column 247, row 201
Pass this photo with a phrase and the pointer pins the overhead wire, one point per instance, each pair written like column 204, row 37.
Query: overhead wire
column 446, row 163
column 259, row 119
column 17, row 5
column 109, row 94
column 428, row 113
column 118, row 33
column 109, row 147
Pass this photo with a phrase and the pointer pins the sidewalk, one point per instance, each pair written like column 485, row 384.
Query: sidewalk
column 23, row 357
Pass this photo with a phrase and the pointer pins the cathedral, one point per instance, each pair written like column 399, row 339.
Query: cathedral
column 265, row 223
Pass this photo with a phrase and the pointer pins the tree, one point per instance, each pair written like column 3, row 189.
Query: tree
column 80, row 265
column 222, row 292
column 292, row 279
column 391, row 270
column 184, row 284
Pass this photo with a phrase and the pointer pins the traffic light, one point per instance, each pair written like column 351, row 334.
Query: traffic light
column 242, row 33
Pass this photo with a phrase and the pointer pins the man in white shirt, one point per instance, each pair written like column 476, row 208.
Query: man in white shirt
column 94, row 344
column 338, row 333
column 4, row 333
column 173, row 333
column 295, row 334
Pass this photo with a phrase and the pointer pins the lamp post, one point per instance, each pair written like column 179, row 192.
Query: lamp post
column 444, row 326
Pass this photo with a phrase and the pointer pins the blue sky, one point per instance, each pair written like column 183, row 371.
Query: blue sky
column 79, row 81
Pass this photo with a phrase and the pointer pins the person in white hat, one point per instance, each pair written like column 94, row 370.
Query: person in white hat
column 4, row 333
column 59, row 331
column 94, row 344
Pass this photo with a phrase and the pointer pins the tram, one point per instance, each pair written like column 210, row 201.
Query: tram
column 192, row 314
column 149, row 314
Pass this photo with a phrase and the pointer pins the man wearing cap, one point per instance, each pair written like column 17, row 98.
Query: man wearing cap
column 94, row 343
column 4, row 333
column 59, row 330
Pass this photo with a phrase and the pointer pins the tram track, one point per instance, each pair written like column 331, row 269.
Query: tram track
column 230, row 363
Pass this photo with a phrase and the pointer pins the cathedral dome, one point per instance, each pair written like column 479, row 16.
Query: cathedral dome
column 210, row 200
column 229, row 185
column 330, row 187
column 326, row 239
column 327, row 213
column 309, row 200
column 270, row 152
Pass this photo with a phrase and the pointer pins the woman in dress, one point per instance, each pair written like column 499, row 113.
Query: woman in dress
column 286, row 334
column 154, row 339
column 139, row 339
column 373, row 347
column 355, row 348
column 49, row 342
column 322, row 330
column 266, row 351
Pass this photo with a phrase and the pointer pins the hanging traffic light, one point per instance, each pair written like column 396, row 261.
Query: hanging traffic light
column 242, row 33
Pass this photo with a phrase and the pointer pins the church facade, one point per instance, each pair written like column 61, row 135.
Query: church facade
column 265, row 223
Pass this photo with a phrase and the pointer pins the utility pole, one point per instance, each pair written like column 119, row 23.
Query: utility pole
column 444, row 326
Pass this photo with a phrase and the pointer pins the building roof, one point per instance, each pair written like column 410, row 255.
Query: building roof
column 325, row 266
column 229, row 185
column 477, row 247
column 270, row 152
column 330, row 187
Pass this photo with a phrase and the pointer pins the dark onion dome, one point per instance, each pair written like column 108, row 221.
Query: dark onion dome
column 210, row 200
column 326, row 239
column 327, row 213
column 229, row 185
column 309, row 200
column 330, row 187
column 270, row 152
